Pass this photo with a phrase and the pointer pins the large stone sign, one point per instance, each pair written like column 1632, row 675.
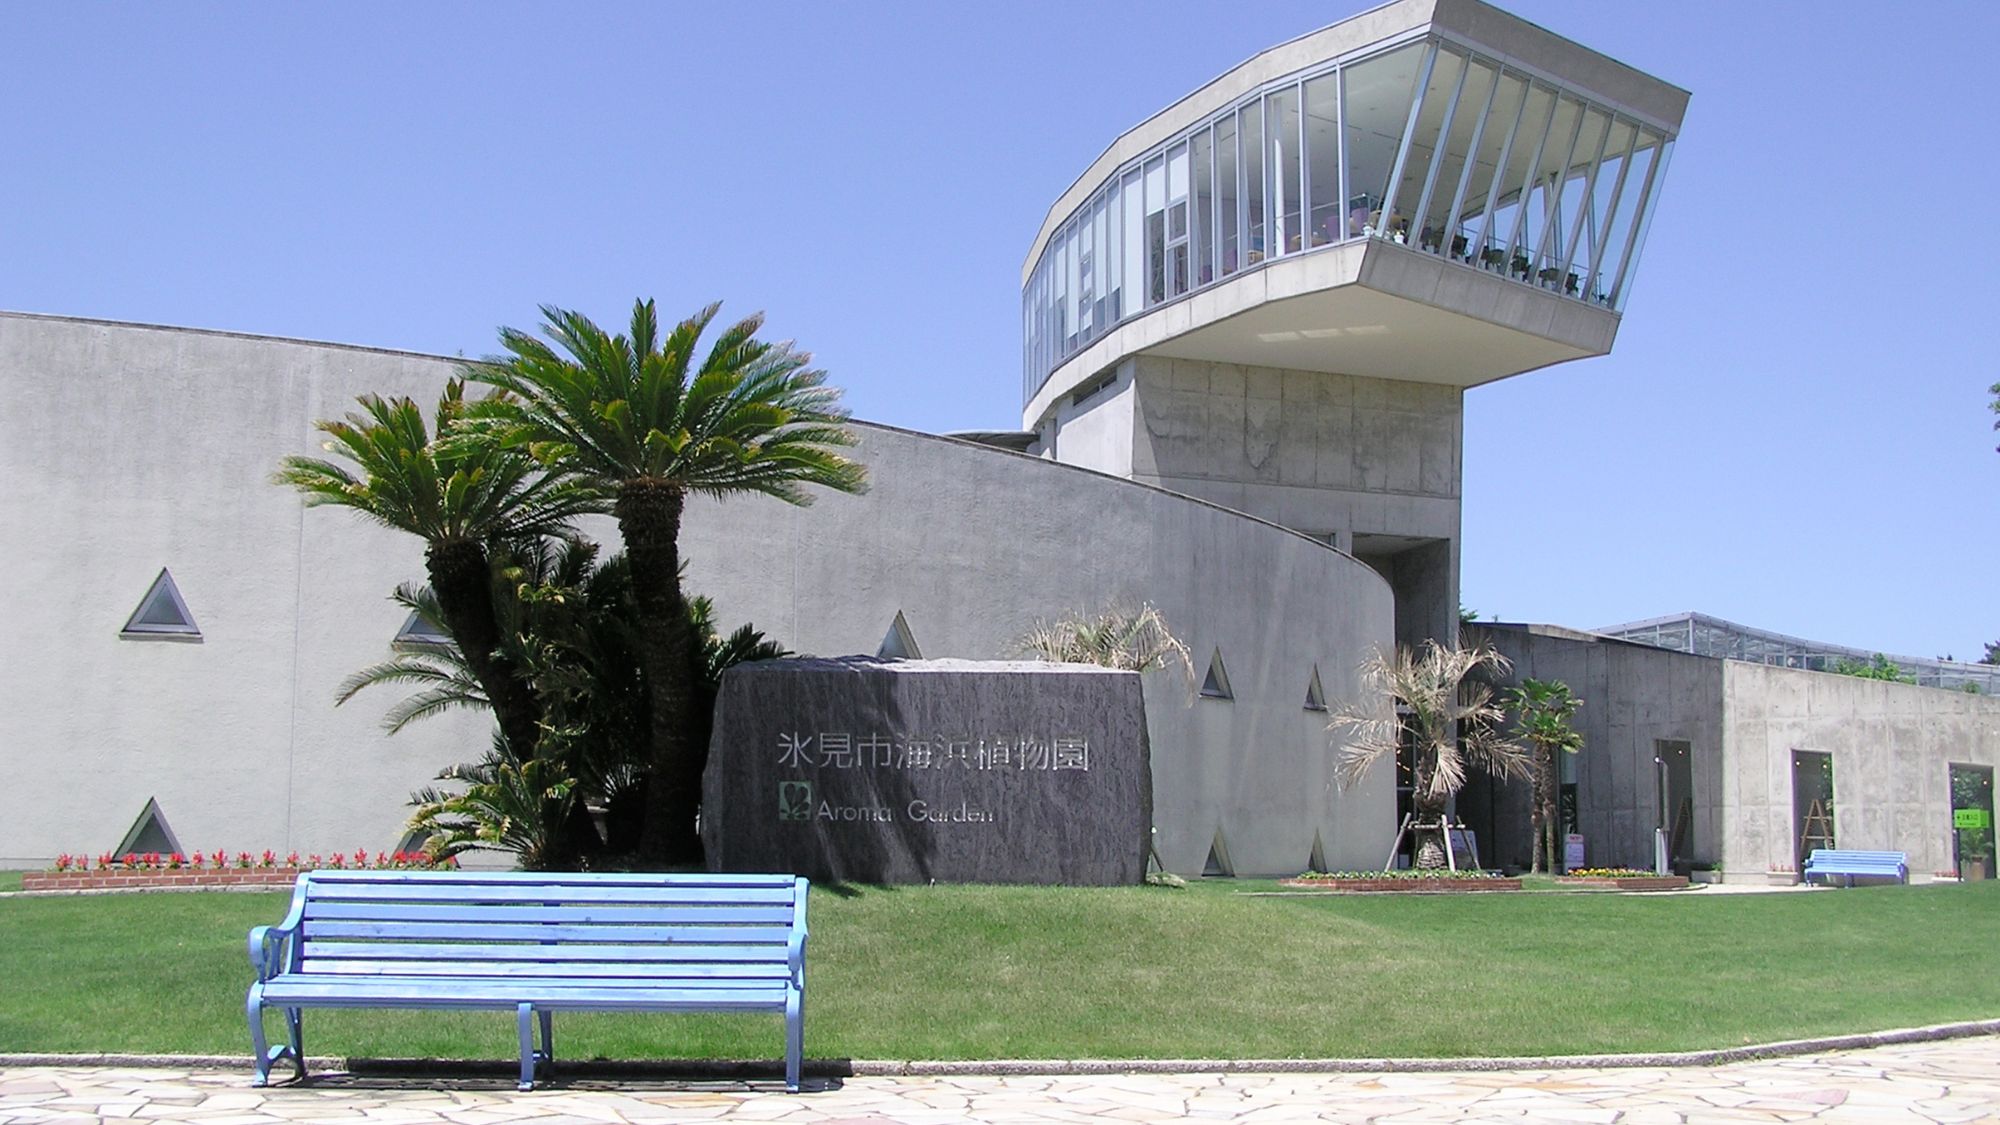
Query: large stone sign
column 909, row 771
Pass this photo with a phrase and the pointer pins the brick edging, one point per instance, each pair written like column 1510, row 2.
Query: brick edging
column 1404, row 886
column 32, row 881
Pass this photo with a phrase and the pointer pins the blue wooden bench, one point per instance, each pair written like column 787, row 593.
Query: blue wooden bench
column 1831, row 862
column 535, row 943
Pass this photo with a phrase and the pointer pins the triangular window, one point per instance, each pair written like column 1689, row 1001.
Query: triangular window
column 1218, row 865
column 1315, row 695
column 149, row 833
column 418, row 630
column 1215, row 685
column 1317, row 861
column 897, row 643
column 161, row 612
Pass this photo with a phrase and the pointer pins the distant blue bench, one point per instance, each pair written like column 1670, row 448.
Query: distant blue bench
column 1831, row 862
column 536, row 943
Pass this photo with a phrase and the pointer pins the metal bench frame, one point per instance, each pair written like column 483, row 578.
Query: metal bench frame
column 1834, row 861
column 533, row 942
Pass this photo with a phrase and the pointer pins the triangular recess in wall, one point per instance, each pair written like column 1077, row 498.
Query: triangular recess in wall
column 418, row 630
column 1317, row 860
column 161, row 612
column 1218, row 865
column 1315, row 695
column 897, row 643
column 149, row 833
column 1215, row 685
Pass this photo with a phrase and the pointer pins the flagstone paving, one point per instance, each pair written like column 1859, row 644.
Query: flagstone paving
column 1951, row 1081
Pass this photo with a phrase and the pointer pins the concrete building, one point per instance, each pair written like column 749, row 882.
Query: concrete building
column 1248, row 328
column 1748, row 766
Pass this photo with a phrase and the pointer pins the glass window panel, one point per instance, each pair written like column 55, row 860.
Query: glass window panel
column 1156, row 231
column 1101, row 293
column 1538, row 203
column 1503, row 123
column 1504, row 226
column 1408, row 193
column 1114, row 255
column 1251, row 123
column 1229, row 217
column 1177, row 220
column 1134, row 238
column 1621, row 284
column 1619, row 183
column 1568, row 198
column 1286, row 204
column 1059, row 296
column 1203, row 235
column 1073, row 289
column 1440, row 229
column 1375, row 106
column 1325, row 216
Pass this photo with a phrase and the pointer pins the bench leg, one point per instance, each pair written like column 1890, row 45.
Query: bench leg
column 525, row 1018
column 260, row 1050
column 548, row 1035
column 795, row 1039
column 263, row 1054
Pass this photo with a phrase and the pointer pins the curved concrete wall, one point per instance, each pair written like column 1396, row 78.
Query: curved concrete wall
column 130, row 448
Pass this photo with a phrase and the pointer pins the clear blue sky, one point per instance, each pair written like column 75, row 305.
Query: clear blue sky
column 1792, row 431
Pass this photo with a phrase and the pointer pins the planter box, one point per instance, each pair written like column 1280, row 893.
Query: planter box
column 1705, row 877
column 183, row 879
column 1628, row 883
column 1403, row 886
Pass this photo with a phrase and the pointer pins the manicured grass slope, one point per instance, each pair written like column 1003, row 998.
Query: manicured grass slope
column 990, row 972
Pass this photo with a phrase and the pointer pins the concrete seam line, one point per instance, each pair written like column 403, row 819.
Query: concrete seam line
column 863, row 1068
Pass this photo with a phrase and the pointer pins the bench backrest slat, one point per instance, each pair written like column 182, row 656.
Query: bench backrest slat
column 597, row 927
column 693, row 975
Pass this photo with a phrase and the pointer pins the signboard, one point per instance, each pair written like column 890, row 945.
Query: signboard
column 912, row 771
column 1572, row 852
column 1971, row 818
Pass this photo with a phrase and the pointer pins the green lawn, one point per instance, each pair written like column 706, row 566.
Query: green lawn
column 991, row 972
column 10, row 880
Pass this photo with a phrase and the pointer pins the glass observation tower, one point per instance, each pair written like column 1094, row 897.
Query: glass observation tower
column 1428, row 196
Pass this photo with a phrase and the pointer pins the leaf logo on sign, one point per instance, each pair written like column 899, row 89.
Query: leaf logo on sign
column 795, row 800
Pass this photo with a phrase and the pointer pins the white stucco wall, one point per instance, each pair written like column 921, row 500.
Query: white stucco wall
column 129, row 448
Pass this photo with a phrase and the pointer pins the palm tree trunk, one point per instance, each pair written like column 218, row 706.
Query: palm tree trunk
column 462, row 578
column 649, row 519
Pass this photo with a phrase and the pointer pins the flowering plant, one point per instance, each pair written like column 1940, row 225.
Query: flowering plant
column 1607, row 873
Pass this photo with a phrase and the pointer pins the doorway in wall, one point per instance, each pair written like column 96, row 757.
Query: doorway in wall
column 1972, row 820
column 1676, row 811
column 1812, row 803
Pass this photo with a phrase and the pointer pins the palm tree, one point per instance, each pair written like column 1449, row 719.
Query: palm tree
column 459, row 496
column 650, row 423
column 1445, row 721
column 1543, row 710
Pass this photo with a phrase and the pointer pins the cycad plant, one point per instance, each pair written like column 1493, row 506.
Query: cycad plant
column 1136, row 640
column 460, row 497
column 1430, row 706
column 650, row 420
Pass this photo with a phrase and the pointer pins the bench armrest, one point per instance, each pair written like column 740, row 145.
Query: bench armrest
column 268, row 946
column 273, row 949
column 795, row 947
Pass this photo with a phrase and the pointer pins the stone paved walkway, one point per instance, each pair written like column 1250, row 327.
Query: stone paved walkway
column 1952, row 1081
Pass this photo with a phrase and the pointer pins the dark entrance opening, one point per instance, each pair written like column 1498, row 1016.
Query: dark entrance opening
column 1972, row 820
column 1812, row 803
column 1676, row 802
